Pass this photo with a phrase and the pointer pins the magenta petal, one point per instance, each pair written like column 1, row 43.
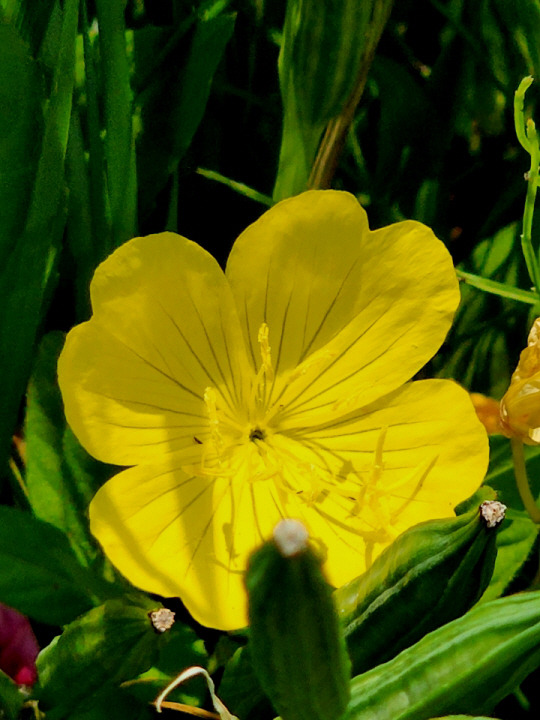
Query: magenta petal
column 18, row 647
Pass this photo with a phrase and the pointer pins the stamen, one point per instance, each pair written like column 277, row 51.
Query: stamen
column 266, row 371
column 266, row 352
column 313, row 361
column 370, row 494
column 378, row 465
column 211, row 407
column 421, row 472
column 347, row 403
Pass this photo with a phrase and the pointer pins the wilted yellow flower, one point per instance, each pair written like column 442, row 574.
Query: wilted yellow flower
column 520, row 406
column 276, row 389
column 489, row 412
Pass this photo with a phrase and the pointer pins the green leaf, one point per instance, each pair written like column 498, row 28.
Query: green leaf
column 20, row 132
column 119, row 142
column 405, row 111
column 240, row 688
column 79, row 231
column 25, row 279
column 181, row 649
column 32, row 19
column 174, row 103
column 468, row 665
column 518, row 533
column 326, row 52
column 515, row 543
column 433, row 573
column 39, row 574
column 20, row 129
column 106, row 646
column 61, row 477
column 484, row 341
column 11, row 698
column 100, row 212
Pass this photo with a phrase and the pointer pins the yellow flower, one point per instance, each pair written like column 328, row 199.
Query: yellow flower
column 520, row 406
column 276, row 389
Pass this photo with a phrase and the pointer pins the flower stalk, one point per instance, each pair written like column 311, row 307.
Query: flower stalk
column 522, row 480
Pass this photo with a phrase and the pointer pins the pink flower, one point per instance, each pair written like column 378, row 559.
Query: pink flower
column 18, row 647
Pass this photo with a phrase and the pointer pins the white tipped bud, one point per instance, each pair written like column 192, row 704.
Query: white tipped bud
column 493, row 512
column 291, row 537
column 162, row 619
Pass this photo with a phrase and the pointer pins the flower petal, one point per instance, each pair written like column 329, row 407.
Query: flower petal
column 190, row 537
column 355, row 312
column 164, row 329
column 434, row 455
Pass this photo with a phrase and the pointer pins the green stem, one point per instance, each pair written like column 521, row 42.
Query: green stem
column 522, row 481
column 497, row 288
column 236, row 186
column 519, row 119
column 530, row 199
column 528, row 212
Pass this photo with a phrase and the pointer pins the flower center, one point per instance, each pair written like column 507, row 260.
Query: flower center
column 257, row 434
column 246, row 444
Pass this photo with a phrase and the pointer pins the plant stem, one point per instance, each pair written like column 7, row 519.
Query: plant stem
column 522, row 481
column 519, row 123
column 334, row 137
column 528, row 138
column 528, row 213
column 497, row 288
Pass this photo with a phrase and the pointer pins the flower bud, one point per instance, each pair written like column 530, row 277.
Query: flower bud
column 520, row 406
column 18, row 648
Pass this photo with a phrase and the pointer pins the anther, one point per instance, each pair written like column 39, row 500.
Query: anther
column 266, row 351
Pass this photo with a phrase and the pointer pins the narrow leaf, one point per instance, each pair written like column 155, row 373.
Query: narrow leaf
column 174, row 103
column 26, row 273
column 119, row 143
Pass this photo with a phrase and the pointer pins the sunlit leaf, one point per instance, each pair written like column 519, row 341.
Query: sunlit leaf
column 108, row 645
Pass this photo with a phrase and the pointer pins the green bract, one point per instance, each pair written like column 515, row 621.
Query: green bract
column 465, row 666
column 431, row 574
column 298, row 651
